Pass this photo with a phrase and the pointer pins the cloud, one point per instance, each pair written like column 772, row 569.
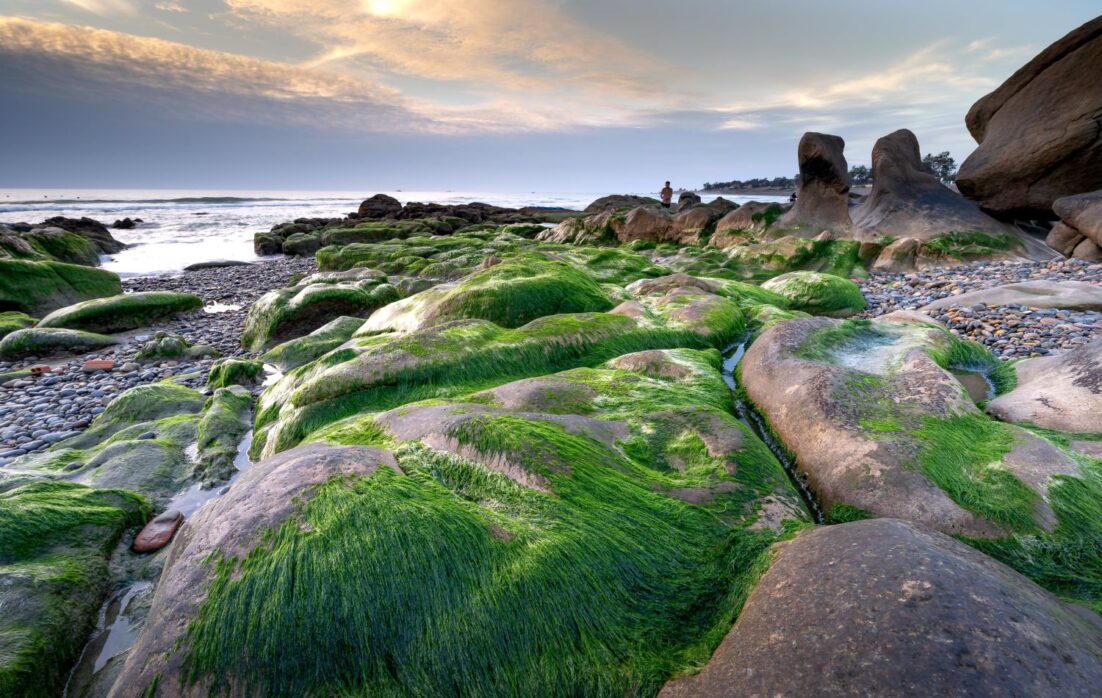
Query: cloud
column 215, row 85
column 171, row 6
column 517, row 45
column 104, row 7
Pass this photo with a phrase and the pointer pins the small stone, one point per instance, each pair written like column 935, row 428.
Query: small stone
column 147, row 435
column 158, row 532
column 98, row 365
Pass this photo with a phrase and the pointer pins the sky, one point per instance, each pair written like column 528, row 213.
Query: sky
column 487, row 95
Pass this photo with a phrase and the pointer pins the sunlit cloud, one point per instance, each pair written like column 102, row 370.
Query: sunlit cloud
column 170, row 6
column 104, row 7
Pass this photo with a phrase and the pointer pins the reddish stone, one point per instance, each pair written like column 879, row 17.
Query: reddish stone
column 39, row 369
column 98, row 365
column 158, row 532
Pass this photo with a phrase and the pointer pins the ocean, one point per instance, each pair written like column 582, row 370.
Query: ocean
column 182, row 227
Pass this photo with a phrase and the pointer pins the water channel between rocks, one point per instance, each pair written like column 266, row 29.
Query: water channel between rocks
column 749, row 416
column 116, row 631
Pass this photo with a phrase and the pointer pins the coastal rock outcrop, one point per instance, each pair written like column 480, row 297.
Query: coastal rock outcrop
column 906, row 201
column 823, row 201
column 379, row 206
column 1070, row 295
column 889, row 608
column 1062, row 392
column 741, row 225
column 878, row 424
column 687, row 199
column 1038, row 133
column 817, row 294
column 615, row 202
column 1079, row 232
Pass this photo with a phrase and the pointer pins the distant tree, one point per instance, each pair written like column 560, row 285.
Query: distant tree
column 859, row 174
column 941, row 166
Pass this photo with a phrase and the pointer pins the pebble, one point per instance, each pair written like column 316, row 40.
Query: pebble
column 1011, row 331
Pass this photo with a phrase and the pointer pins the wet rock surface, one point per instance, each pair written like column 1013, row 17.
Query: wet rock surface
column 888, row 608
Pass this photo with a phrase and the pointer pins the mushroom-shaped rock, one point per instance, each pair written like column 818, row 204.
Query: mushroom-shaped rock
column 906, row 201
column 1038, row 132
column 889, row 608
column 823, row 203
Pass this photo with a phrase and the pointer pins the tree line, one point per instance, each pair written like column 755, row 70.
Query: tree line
column 940, row 165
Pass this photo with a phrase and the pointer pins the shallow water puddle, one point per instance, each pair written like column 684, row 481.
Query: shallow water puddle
column 119, row 631
column 216, row 307
column 977, row 385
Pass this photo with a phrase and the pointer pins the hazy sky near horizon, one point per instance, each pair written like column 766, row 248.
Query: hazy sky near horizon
column 517, row 95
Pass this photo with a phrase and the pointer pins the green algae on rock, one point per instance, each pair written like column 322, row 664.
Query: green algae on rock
column 40, row 287
column 54, row 541
column 223, row 424
column 297, row 310
column 523, row 519
column 122, row 312
column 13, row 320
column 818, row 294
column 42, row 342
column 227, row 372
column 172, row 346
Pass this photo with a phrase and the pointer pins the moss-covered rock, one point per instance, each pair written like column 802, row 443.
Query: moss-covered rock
column 223, row 424
column 818, row 294
column 54, row 541
column 138, row 405
column 509, row 294
column 172, row 346
column 122, row 312
column 34, row 341
column 60, row 245
column 13, row 320
column 297, row 310
column 227, row 372
column 620, row 511
column 301, row 351
column 302, row 244
column 879, row 422
column 40, row 287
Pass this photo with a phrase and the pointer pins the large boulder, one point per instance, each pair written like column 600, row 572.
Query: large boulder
column 297, row 310
column 823, row 202
column 1038, row 132
column 1079, row 231
column 122, row 312
column 1062, row 392
column 93, row 230
column 13, row 320
column 908, row 202
column 51, row 243
column 888, row 608
column 879, row 424
column 744, row 223
column 619, row 201
column 40, row 287
column 650, row 223
column 302, row 350
column 687, row 199
column 694, row 224
column 380, row 206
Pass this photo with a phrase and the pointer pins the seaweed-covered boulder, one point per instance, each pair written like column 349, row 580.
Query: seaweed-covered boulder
column 878, row 423
column 122, row 312
column 55, row 538
column 524, row 510
column 40, row 287
column 165, row 345
column 96, row 232
column 906, row 201
column 13, row 320
column 297, row 310
column 744, row 223
column 652, row 223
column 298, row 352
column 138, row 405
column 692, row 225
column 1038, row 132
column 1061, row 392
column 818, row 294
column 888, row 608
column 223, row 424
column 509, row 294
column 302, row 244
column 56, row 244
column 34, row 341
column 619, row 201
column 227, row 372
column 823, row 202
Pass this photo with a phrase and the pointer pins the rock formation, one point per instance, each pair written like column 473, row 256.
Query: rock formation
column 687, row 199
column 823, row 202
column 908, row 202
column 1079, row 232
column 1062, row 392
column 1038, row 133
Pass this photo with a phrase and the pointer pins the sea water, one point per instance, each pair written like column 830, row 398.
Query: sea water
column 182, row 227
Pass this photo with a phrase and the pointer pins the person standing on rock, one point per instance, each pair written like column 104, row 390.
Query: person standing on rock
column 667, row 196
